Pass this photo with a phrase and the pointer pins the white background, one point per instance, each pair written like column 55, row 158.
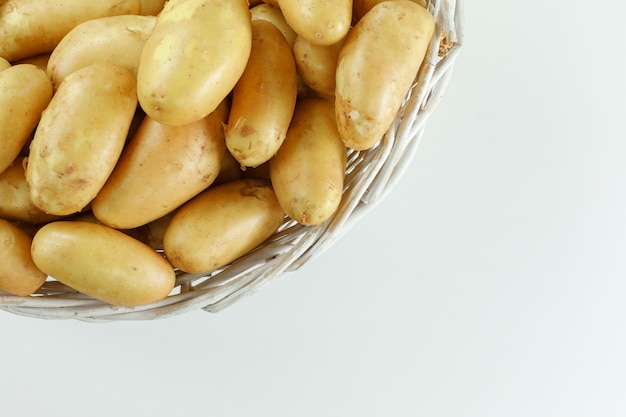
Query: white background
column 491, row 282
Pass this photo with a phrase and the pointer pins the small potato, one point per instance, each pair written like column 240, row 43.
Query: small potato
column 321, row 22
column 161, row 168
column 274, row 16
column 317, row 64
column 193, row 58
column 222, row 224
column 360, row 7
column 308, row 171
column 103, row 263
column 377, row 65
column 263, row 99
column 18, row 274
column 32, row 27
column 116, row 40
column 4, row 64
column 15, row 203
column 25, row 92
column 40, row 61
column 80, row 138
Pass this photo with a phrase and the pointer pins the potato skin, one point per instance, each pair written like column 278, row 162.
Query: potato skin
column 309, row 169
column 161, row 168
column 25, row 91
column 116, row 40
column 264, row 98
column 18, row 274
column 80, row 138
column 360, row 7
column 102, row 262
column 317, row 64
column 275, row 16
column 221, row 224
column 369, row 92
column 321, row 22
column 193, row 58
column 4, row 64
column 32, row 27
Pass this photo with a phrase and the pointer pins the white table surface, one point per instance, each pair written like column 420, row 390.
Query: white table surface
column 490, row 283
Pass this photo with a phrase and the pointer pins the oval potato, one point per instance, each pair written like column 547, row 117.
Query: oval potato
column 80, row 138
column 151, row 7
column 18, row 274
column 275, row 17
column 222, row 224
column 369, row 92
column 116, row 40
column 102, row 262
column 32, row 27
column 4, row 64
column 193, row 58
column 25, row 91
column 161, row 168
column 360, row 7
column 309, row 169
column 317, row 64
column 263, row 99
column 321, row 22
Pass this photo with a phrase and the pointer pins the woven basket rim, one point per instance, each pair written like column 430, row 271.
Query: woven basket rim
column 370, row 176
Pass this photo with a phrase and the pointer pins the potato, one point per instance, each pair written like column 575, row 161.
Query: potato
column 151, row 7
column 40, row 61
column 18, row 274
column 369, row 92
column 15, row 202
column 273, row 3
column 274, row 16
column 222, row 224
column 230, row 170
column 32, row 27
column 360, row 7
column 317, row 64
column 161, row 168
column 308, row 171
column 116, row 40
column 103, row 263
column 80, row 138
column 193, row 58
column 263, row 99
column 25, row 91
column 321, row 22
column 4, row 64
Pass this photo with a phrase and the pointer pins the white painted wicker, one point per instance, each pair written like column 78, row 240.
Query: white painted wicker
column 370, row 175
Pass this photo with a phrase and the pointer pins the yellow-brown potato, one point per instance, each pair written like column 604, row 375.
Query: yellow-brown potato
column 15, row 202
column 4, row 64
column 102, row 262
column 25, row 91
column 18, row 274
column 32, row 27
column 80, row 138
column 377, row 66
column 308, row 171
column 263, row 99
column 321, row 22
column 273, row 3
column 274, row 16
column 317, row 64
column 193, row 58
column 116, row 40
column 161, row 168
column 151, row 7
column 222, row 224
column 40, row 61
column 360, row 7
column 230, row 170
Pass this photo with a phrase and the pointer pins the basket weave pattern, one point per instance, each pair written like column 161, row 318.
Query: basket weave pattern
column 370, row 175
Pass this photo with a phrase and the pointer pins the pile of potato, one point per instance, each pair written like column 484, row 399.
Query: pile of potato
column 142, row 137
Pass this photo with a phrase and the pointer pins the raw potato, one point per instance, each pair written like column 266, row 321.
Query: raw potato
column 116, row 40
column 32, row 27
column 308, row 171
column 25, row 91
column 15, row 202
column 151, row 7
column 221, row 225
column 80, row 138
column 274, row 16
column 264, row 98
column 317, row 64
column 193, row 58
column 40, row 61
column 321, row 22
column 369, row 92
column 4, row 64
column 103, row 263
column 161, row 168
column 360, row 7
column 18, row 274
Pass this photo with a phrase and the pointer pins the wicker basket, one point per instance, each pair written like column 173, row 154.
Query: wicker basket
column 370, row 175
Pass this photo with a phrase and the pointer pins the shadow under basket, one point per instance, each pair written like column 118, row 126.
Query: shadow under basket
column 370, row 175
